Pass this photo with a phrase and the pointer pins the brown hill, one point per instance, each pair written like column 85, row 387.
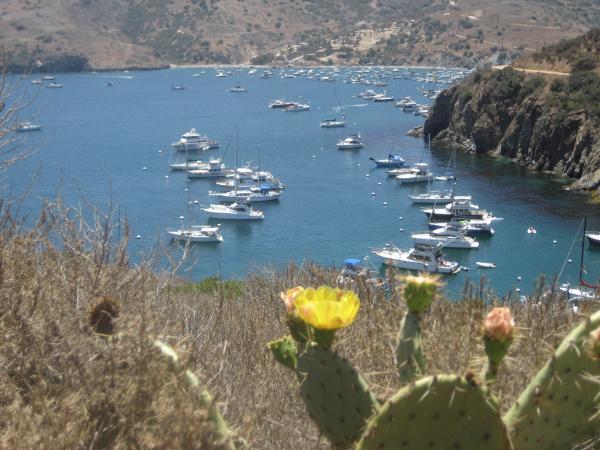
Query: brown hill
column 146, row 33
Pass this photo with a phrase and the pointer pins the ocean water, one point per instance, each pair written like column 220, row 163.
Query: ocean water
column 96, row 140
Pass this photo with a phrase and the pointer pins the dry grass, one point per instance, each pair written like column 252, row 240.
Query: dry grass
column 62, row 386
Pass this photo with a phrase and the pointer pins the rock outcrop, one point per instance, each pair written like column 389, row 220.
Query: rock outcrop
column 542, row 123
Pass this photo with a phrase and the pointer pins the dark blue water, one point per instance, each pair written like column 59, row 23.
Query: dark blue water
column 96, row 140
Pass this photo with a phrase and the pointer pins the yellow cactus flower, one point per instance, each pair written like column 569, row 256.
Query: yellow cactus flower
column 327, row 308
column 419, row 291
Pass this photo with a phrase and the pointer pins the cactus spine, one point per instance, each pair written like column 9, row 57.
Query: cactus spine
column 558, row 407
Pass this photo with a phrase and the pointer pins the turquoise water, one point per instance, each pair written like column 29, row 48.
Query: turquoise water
column 96, row 140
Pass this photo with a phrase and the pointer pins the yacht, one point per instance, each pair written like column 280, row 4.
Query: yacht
column 395, row 161
column 235, row 211
column 382, row 98
column 423, row 258
column 280, row 104
column 463, row 227
column 419, row 173
column 593, row 237
column 437, row 198
column 192, row 140
column 459, row 241
column 191, row 165
column 296, row 107
column 54, row 86
column 215, row 169
column 197, row 233
column 28, row 126
column 251, row 195
column 407, row 104
column 368, row 94
column 238, row 88
column 247, row 178
column 458, row 210
column 352, row 142
column 332, row 123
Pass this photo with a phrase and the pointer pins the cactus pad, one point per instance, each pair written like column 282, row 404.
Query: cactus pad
column 337, row 398
column 555, row 411
column 438, row 413
column 409, row 353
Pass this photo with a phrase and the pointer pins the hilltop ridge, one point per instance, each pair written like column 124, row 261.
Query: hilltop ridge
column 78, row 34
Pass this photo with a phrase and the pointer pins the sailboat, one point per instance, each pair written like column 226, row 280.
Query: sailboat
column 583, row 290
column 240, row 210
column 195, row 233
column 335, row 122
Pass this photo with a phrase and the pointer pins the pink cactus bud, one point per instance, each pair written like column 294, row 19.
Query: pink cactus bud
column 289, row 298
column 499, row 325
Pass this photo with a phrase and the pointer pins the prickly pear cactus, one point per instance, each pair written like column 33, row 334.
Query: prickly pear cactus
column 438, row 413
column 409, row 353
column 336, row 396
column 555, row 411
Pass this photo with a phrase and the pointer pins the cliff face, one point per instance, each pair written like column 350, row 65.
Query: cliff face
column 546, row 124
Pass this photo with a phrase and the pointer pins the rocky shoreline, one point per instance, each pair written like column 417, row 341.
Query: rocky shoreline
column 513, row 115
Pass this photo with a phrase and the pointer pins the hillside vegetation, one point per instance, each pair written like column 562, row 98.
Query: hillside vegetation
column 73, row 34
column 549, row 123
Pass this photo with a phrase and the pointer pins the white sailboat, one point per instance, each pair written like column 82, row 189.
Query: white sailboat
column 195, row 233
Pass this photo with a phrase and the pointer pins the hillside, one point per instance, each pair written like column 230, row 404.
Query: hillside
column 72, row 34
column 547, row 122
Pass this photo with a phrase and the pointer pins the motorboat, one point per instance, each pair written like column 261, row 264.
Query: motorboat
column 332, row 123
column 457, row 210
column 215, row 169
column 178, row 87
column 190, row 165
column 28, row 126
column 192, row 140
column 407, row 104
column 422, row 110
column 393, row 173
column 531, row 230
column 238, row 88
column 235, row 211
column 459, row 241
column 352, row 142
column 382, row 98
column 593, row 237
column 280, row 104
column 246, row 177
column 48, row 78
column 252, row 195
column 296, row 107
column 423, row 258
column 353, row 270
column 437, row 198
column 368, row 94
column 419, row 173
column 485, row 265
column 395, row 161
column 463, row 227
column 38, row 82
column 196, row 233
column 54, row 86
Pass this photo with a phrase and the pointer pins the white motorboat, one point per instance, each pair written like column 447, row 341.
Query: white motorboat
column 235, row 211
column 352, row 142
column 37, row 82
column 178, row 87
column 382, row 98
column 296, row 107
column 459, row 241
column 48, row 78
column 463, row 227
column 54, row 86
column 458, row 210
column 393, row 173
column 190, row 165
column 197, row 233
column 407, row 104
column 391, row 161
column 192, row 140
column 280, row 104
column 419, row 173
column 332, row 123
column 368, row 94
column 238, row 88
column 485, row 265
column 215, row 169
column 437, row 198
column 246, row 177
column 423, row 258
column 28, row 126
column 531, row 230
column 252, row 195
column 422, row 110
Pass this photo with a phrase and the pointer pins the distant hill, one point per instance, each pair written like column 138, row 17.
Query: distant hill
column 95, row 34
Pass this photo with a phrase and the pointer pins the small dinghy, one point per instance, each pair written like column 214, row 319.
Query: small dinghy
column 485, row 265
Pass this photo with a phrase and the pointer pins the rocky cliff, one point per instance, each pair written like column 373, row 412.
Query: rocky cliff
column 549, row 123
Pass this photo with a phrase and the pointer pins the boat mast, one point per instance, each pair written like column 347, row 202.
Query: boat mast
column 235, row 174
column 582, row 250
